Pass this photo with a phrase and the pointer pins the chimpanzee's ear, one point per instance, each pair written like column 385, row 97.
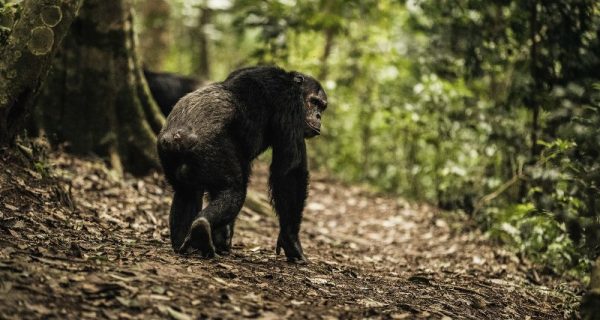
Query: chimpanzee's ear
column 298, row 78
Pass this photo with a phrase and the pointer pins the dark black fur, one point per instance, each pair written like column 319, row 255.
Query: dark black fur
column 168, row 88
column 210, row 139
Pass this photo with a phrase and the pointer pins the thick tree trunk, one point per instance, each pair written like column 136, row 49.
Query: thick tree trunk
column 27, row 46
column 96, row 98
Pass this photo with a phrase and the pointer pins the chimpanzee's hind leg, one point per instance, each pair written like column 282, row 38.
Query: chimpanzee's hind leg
column 222, row 236
column 220, row 212
column 184, row 209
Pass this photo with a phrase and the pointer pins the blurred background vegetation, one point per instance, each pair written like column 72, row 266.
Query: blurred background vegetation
column 491, row 108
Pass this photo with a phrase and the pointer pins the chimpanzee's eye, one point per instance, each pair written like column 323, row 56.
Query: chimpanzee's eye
column 317, row 102
column 298, row 79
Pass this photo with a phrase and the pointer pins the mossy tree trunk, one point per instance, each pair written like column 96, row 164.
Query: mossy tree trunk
column 96, row 99
column 30, row 34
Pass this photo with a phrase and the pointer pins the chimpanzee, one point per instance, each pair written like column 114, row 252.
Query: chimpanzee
column 168, row 88
column 208, row 144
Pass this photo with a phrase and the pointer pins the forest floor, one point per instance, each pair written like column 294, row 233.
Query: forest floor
column 89, row 245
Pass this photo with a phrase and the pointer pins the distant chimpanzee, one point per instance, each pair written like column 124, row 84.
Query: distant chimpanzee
column 168, row 88
column 210, row 139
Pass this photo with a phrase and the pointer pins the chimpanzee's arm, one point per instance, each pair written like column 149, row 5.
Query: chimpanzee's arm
column 288, row 183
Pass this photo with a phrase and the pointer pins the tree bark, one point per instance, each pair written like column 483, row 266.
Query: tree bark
column 203, row 69
column 26, row 54
column 155, row 39
column 532, row 100
column 97, row 100
column 329, row 36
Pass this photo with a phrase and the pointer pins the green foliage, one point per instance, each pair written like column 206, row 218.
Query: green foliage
column 538, row 236
column 531, row 64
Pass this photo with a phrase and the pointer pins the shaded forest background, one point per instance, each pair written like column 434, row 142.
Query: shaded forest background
column 489, row 109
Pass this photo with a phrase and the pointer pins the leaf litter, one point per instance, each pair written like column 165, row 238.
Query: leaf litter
column 85, row 244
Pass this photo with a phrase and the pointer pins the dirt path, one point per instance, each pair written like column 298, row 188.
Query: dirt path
column 109, row 257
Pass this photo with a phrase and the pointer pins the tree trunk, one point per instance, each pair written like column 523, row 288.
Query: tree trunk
column 329, row 36
column 155, row 37
column 532, row 100
column 203, row 69
column 27, row 46
column 97, row 100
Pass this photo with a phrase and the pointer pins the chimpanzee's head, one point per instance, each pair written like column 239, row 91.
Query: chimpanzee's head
column 315, row 102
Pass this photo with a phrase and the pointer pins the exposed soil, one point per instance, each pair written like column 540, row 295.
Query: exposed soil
column 90, row 245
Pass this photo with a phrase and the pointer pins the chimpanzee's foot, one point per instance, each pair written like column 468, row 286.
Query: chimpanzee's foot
column 298, row 260
column 199, row 237
column 292, row 248
column 222, row 239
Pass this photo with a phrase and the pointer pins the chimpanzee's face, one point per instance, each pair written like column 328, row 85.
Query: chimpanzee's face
column 315, row 102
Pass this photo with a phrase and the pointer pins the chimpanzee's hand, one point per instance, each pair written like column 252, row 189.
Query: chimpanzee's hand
column 199, row 237
column 292, row 248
